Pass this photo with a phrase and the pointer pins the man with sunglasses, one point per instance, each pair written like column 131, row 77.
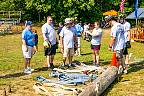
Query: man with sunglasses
column 67, row 40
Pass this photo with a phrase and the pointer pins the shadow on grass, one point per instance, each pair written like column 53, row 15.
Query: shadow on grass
column 134, row 67
column 9, row 33
column 83, row 54
column 12, row 75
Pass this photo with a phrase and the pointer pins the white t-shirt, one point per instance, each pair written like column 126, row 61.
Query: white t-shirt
column 117, row 31
column 96, row 36
column 127, row 27
column 68, row 37
column 86, row 27
column 49, row 33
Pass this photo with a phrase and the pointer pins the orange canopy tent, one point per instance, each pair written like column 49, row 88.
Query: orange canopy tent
column 111, row 12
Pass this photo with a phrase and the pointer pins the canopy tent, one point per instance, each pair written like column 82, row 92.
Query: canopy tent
column 111, row 12
column 140, row 14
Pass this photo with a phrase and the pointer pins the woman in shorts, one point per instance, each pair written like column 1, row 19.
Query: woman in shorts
column 96, row 42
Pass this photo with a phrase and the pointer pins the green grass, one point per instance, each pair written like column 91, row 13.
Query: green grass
column 11, row 66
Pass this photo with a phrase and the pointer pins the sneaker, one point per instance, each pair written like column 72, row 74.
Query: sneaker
column 26, row 71
column 30, row 69
column 125, row 71
column 97, row 65
column 72, row 65
column 94, row 63
column 62, row 66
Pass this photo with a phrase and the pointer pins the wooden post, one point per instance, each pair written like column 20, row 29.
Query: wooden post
column 97, row 87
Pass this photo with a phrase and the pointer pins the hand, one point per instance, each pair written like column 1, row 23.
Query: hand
column 109, row 49
column 62, row 49
column 25, row 48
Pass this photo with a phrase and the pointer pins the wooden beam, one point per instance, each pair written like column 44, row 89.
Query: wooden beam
column 98, row 86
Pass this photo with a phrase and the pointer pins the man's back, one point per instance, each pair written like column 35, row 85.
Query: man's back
column 117, row 31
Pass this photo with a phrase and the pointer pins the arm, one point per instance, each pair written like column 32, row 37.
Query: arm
column 94, row 32
column 44, row 32
column 62, row 44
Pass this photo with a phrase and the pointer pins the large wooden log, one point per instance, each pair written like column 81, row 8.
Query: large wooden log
column 98, row 86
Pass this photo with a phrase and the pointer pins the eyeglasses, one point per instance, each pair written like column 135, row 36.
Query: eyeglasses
column 50, row 20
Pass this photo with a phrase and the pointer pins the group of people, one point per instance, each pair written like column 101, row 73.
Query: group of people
column 69, row 41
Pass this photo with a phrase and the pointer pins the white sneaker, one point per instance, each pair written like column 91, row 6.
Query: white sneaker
column 30, row 69
column 125, row 71
column 26, row 71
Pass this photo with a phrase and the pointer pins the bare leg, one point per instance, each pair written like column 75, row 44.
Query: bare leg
column 97, row 56
column 48, row 61
column 79, row 53
column 64, row 60
column 70, row 59
column 27, row 62
column 127, row 59
column 94, row 56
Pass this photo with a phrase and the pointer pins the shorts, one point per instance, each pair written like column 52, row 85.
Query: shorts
column 78, row 38
column 68, row 52
column 95, row 47
column 29, row 53
column 125, row 51
column 119, row 54
column 50, row 51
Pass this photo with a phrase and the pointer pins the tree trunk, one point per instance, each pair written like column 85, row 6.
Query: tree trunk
column 97, row 87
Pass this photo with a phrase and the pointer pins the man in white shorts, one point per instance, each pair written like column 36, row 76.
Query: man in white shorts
column 28, row 43
column 79, row 29
column 67, row 37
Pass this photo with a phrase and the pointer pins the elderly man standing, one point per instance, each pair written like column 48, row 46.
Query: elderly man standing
column 49, row 36
column 28, row 43
column 67, row 39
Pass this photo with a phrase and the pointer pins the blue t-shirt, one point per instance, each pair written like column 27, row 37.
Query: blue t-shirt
column 117, row 31
column 29, row 37
column 79, row 29
column 68, row 34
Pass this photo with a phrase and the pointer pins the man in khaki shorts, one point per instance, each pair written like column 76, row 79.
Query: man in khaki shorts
column 28, row 43
column 67, row 38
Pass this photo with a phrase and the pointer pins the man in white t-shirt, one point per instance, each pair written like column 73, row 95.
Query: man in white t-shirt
column 127, row 27
column 49, row 36
column 67, row 37
column 117, row 43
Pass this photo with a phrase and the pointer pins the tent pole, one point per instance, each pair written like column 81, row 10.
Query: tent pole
column 136, row 22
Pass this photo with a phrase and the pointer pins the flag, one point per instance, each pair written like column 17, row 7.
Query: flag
column 136, row 9
column 122, row 5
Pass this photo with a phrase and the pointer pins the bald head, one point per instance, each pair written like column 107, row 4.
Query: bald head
column 49, row 20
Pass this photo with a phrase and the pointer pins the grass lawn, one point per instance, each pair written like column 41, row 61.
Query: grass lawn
column 11, row 66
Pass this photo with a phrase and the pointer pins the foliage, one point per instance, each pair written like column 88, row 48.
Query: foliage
column 85, row 10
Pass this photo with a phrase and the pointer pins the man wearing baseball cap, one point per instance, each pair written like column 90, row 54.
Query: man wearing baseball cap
column 67, row 37
column 28, row 42
column 117, row 42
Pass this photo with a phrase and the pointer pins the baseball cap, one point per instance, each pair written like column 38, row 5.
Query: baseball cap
column 109, row 18
column 68, row 21
column 28, row 23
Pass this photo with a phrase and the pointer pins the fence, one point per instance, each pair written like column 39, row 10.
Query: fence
column 137, row 34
